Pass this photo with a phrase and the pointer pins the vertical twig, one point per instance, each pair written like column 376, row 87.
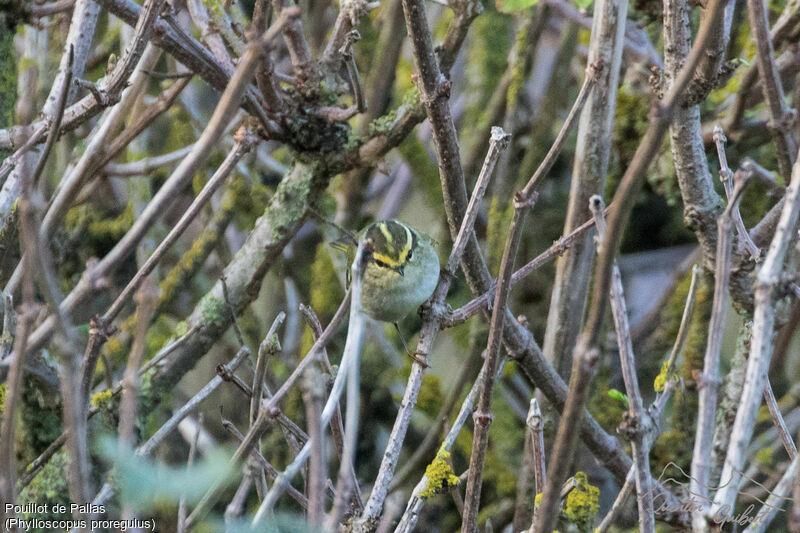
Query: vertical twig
column 350, row 357
column 657, row 407
column 523, row 201
column 535, row 421
column 586, row 352
column 781, row 118
column 147, row 298
column 352, row 70
column 535, row 432
column 314, row 396
column 430, row 328
column 574, row 270
column 708, row 381
column 8, row 467
column 778, row 421
column 181, row 528
column 767, row 290
column 482, row 417
column 635, row 422
column 727, row 178
column 269, row 347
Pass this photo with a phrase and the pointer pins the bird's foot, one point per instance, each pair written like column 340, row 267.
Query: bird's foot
column 419, row 358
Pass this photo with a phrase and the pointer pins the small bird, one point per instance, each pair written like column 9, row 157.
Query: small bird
column 401, row 272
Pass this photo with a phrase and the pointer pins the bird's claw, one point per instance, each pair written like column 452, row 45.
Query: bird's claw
column 419, row 358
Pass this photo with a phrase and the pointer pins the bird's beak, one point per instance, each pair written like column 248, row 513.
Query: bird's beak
column 399, row 270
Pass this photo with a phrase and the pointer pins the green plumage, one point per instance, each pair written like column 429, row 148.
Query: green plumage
column 401, row 273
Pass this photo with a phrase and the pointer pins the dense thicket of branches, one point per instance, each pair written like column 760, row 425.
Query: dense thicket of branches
column 173, row 173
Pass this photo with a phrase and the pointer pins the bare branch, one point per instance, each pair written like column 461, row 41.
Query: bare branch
column 727, row 178
column 314, row 395
column 781, row 117
column 352, row 350
column 777, row 498
column 573, row 271
column 778, row 421
column 767, row 286
column 482, row 417
column 243, row 145
column 709, row 380
column 635, row 422
column 430, row 329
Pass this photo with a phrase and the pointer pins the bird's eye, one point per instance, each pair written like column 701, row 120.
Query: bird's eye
column 381, row 263
column 408, row 257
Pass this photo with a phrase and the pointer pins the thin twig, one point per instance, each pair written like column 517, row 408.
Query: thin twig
column 13, row 395
column 147, row 299
column 181, row 527
column 430, row 328
column 349, row 358
column 726, row 176
column 534, row 433
column 482, row 417
column 408, row 521
column 778, row 421
column 535, row 421
column 268, row 348
column 586, row 351
column 767, row 287
column 708, row 381
column 144, row 166
column 313, row 396
column 781, row 117
column 523, row 201
column 635, row 423
column 352, row 70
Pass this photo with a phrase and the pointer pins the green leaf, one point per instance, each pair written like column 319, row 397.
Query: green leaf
column 511, row 6
column 617, row 395
column 584, row 4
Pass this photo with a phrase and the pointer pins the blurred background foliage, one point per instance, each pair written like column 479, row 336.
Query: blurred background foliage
column 507, row 74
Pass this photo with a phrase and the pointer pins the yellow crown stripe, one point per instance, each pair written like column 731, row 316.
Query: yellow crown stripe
column 386, row 233
column 393, row 263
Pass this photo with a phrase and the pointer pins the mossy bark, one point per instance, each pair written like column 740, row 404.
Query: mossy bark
column 287, row 210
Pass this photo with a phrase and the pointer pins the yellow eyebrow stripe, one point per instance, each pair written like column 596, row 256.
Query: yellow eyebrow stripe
column 386, row 259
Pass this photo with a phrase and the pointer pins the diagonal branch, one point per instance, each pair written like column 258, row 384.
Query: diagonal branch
column 781, row 117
